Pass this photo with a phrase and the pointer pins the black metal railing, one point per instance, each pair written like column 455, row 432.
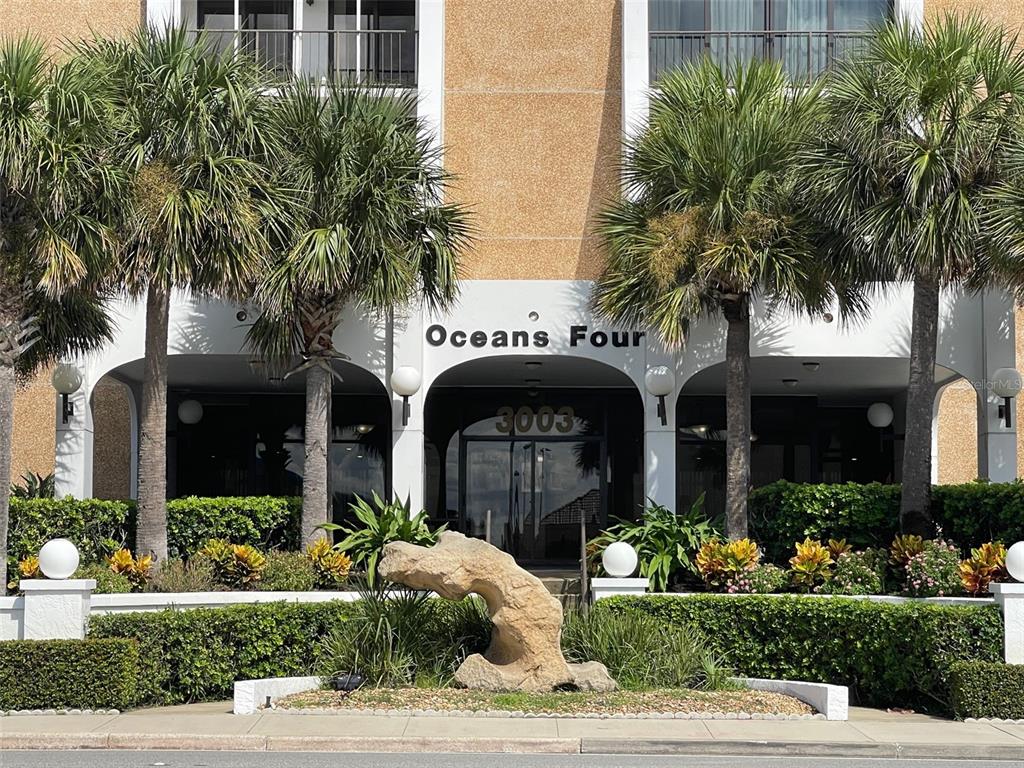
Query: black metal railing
column 803, row 54
column 373, row 56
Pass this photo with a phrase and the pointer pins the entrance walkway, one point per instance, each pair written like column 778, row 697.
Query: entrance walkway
column 869, row 733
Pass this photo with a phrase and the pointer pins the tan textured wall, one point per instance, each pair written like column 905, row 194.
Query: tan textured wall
column 55, row 21
column 34, row 427
column 1007, row 12
column 532, row 128
column 958, row 434
column 111, row 420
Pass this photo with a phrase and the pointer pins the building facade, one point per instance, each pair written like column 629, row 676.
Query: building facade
column 533, row 418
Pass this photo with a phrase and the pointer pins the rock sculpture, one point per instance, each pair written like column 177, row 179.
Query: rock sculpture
column 525, row 653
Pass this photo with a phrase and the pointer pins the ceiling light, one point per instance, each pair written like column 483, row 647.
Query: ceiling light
column 811, row 365
column 790, row 382
column 533, row 364
column 533, row 382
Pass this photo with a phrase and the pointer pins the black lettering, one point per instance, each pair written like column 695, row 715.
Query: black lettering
column 577, row 333
column 520, row 339
column 436, row 335
column 620, row 339
column 478, row 339
column 499, row 339
column 599, row 338
column 458, row 338
column 637, row 335
column 540, row 338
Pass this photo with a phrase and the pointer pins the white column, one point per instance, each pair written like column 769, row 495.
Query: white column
column 1010, row 597
column 430, row 66
column 74, row 445
column 162, row 13
column 56, row 609
column 660, row 439
column 407, row 440
column 635, row 66
column 911, row 12
column 997, row 443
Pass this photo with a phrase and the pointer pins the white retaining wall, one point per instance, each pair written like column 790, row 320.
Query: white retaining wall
column 12, row 618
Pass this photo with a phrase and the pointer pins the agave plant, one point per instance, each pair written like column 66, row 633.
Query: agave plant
column 382, row 522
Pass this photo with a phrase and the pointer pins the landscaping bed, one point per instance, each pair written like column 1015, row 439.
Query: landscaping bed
column 569, row 703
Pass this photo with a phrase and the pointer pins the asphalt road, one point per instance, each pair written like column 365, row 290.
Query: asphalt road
column 105, row 759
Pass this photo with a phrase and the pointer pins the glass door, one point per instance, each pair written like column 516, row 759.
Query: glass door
column 529, row 496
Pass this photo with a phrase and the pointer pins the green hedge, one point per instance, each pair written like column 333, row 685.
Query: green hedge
column 262, row 521
column 68, row 674
column 197, row 655
column 891, row 655
column 867, row 515
column 984, row 689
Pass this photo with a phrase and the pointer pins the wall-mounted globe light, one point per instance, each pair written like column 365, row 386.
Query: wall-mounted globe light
column 880, row 415
column 405, row 382
column 1015, row 561
column 67, row 380
column 1006, row 383
column 190, row 412
column 619, row 560
column 660, row 382
column 58, row 559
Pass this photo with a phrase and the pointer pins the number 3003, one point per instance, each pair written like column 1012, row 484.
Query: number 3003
column 544, row 419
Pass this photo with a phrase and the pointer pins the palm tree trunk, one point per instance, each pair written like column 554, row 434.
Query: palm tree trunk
column 915, row 503
column 6, row 446
column 151, row 535
column 315, row 497
column 737, row 417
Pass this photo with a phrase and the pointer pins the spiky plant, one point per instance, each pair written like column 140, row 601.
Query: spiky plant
column 918, row 141
column 57, row 190
column 366, row 227
column 710, row 220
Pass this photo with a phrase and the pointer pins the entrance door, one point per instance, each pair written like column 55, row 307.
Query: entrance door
column 529, row 496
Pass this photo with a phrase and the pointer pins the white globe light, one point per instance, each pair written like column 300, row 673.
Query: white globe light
column 58, row 559
column 405, row 381
column 190, row 412
column 66, row 379
column 619, row 560
column 880, row 415
column 1006, row 382
column 659, row 380
column 1015, row 561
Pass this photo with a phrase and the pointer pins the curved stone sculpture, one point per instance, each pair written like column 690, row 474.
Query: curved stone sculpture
column 525, row 653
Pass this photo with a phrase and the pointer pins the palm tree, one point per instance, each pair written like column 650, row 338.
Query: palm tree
column 709, row 221
column 191, row 132
column 55, row 193
column 918, row 139
column 366, row 227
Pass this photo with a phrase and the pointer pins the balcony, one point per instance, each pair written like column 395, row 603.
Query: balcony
column 381, row 57
column 804, row 54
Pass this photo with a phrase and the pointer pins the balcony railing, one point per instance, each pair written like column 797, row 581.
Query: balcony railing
column 378, row 56
column 804, row 54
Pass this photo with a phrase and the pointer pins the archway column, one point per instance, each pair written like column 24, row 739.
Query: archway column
column 997, row 443
column 74, row 443
column 660, row 439
column 407, row 443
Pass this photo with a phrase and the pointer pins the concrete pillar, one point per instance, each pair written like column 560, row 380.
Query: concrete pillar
column 407, row 464
column 911, row 12
column 997, row 443
column 600, row 588
column 56, row 609
column 635, row 66
column 1011, row 598
column 162, row 13
column 430, row 67
column 74, row 445
column 660, row 439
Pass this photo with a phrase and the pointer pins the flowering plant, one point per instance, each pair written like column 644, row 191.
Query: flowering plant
column 932, row 572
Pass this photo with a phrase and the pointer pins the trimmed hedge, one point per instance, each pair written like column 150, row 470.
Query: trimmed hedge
column 68, row 674
column 262, row 521
column 868, row 515
column 891, row 655
column 197, row 655
column 983, row 689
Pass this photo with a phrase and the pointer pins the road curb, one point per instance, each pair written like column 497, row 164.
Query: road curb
column 422, row 744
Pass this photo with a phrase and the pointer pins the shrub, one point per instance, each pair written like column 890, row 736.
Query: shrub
column 986, row 564
column 933, row 572
column 176, row 575
column 381, row 523
column 96, row 527
column 762, row 580
column 666, row 543
column 973, row 513
column 264, row 522
column 640, row 652
column 401, row 638
column 107, row 582
column 811, row 565
column 287, row 572
column 68, row 674
column 197, row 655
column 857, row 573
column 330, row 567
column 903, row 548
column 987, row 689
column 137, row 570
column 889, row 655
column 236, row 566
column 721, row 562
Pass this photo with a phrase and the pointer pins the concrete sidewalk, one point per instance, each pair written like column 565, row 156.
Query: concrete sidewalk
column 869, row 733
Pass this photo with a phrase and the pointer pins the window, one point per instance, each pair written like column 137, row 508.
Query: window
column 374, row 40
column 265, row 29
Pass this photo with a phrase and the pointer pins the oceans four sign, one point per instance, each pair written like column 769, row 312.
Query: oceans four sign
column 579, row 336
